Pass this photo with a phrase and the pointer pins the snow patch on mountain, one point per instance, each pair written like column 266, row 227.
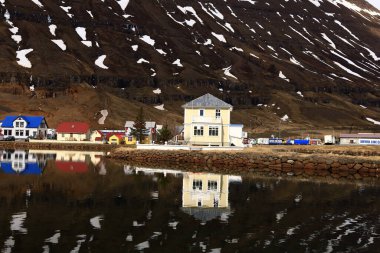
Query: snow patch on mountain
column 81, row 31
column 52, row 29
column 60, row 44
column 22, row 59
column 227, row 72
column 123, row 4
column 178, row 63
column 142, row 60
column 373, row 121
column 147, row 39
column 220, row 37
column 38, row 3
column 100, row 62
column 282, row 76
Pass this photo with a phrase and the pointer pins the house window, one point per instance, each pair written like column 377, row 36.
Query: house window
column 199, row 203
column 212, row 185
column 17, row 132
column 129, row 138
column 26, row 132
column 201, row 112
column 213, row 131
column 352, row 141
column 216, row 202
column 217, row 113
column 71, row 135
column 17, row 124
column 198, row 130
column 197, row 185
column 21, row 124
column 9, row 132
column 62, row 135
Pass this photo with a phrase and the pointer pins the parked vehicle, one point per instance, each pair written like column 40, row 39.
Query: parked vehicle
column 329, row 140
column 263, row 141
column 301, row 142
column 9, row 138
column 275, row 141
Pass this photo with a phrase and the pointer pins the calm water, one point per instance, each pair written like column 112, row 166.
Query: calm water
column 77, row 202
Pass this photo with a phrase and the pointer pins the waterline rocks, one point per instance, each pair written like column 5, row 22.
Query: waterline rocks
column 248, row 161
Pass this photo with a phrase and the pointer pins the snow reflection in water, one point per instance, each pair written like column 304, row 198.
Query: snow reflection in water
column 87, row 200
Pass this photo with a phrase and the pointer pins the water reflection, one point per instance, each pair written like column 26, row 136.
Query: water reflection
column 22, row 162
column 110, row 207
column 204, row 195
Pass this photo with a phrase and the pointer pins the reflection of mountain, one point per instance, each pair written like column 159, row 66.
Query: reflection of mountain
column 23, row 162
column 204, row 195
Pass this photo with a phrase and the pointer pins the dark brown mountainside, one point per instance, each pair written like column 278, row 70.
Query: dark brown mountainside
column 298, row 63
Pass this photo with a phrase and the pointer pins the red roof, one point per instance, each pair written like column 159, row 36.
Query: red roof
column 73, row 127
column 120, row 136
column 76, row 167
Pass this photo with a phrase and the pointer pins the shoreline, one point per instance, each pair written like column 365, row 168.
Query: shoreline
column 55, row 146
column 250, row 161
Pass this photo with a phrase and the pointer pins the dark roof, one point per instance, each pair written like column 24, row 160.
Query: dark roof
column 205, row 214
column 207, row 101
column 31, row 121
column 73, row 127
column 369, row 135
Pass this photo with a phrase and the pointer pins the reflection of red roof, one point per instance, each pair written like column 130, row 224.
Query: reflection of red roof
column 76, row 167
column 73, row 127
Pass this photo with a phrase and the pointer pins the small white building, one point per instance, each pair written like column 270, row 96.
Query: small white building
column 360, row 139
column 23, row 127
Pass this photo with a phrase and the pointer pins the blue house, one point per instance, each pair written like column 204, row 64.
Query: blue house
column 22, row 127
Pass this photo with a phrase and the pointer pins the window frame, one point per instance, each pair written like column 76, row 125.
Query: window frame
column 198, row 130
column 217, row 113
column 212, row 185
column 201, row 112
column 213, row 131
column 197, row 185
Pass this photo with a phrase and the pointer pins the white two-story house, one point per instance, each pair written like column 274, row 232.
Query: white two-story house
column 23, row 127
column 207, row 122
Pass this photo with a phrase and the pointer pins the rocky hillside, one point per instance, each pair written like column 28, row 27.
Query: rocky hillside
column 314, row 62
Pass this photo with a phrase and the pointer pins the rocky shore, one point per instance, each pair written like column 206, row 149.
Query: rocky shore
column 288, row 163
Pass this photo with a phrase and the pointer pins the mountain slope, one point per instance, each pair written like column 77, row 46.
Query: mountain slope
column 324, row 54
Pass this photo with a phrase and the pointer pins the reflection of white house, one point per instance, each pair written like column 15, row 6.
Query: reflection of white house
column 204, row 195
column 22, row 127
column 21, row 161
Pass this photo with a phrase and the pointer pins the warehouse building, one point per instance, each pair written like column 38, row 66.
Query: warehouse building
column 360, row 139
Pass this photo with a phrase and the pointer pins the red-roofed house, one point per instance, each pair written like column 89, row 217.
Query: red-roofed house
column 73, row 131
column 116, row 138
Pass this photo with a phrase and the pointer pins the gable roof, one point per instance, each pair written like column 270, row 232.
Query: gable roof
column 73, row 127
column 207, row 101
column 148, row 124
column 31, row 121
column 366, row 135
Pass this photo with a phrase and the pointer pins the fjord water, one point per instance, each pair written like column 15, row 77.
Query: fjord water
column 63, row 201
